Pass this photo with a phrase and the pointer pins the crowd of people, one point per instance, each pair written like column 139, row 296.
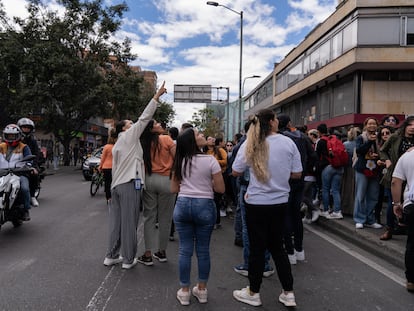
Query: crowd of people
column 272, row 178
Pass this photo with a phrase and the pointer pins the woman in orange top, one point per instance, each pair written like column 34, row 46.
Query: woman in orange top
column 157, row 199
column 106, row 162
column 221, row 156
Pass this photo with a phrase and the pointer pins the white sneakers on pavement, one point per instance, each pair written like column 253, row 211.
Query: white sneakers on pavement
column 374, row 226
column 300, row 256
column 130, row 265
column 200, row 294
column 335, row 215
column 183, row 297
column 288, row 299
column 34, row 202
column 112, row 261
column 244, row 295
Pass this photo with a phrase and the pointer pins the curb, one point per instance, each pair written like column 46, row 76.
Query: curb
column 392, row 251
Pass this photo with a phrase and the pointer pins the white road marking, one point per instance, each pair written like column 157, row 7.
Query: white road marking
column 103, row 294
column 401, row 281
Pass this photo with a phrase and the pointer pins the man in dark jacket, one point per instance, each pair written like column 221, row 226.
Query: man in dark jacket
column 293, row 223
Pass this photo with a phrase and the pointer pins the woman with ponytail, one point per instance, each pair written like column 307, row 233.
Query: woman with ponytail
column 272, row 159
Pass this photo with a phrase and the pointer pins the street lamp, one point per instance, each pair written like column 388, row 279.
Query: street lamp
column 213, row 3
column 242, row 102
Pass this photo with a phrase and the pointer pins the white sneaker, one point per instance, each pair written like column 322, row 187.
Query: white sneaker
column 315, row 215
column 287, row 299
column 300, row 255
column 358, row 225
column 374, row 226
column 130, row 265
column 292, row 259
column 183, row 297
column 335, row 215
column 223, row 213
column 201, row 295
column 112, row 261
column 324, row 214
column 243, row 295
column 34, row 202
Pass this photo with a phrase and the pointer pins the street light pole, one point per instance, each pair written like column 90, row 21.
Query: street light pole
column 213, row 3
column 242, row 103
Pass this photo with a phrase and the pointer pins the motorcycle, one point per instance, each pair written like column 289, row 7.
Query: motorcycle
column 40, row 176
column 11, row 207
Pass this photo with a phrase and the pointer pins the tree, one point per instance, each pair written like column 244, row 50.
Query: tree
column 207, row 122
column 66, row 68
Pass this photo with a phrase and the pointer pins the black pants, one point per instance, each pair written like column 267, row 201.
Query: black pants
column 108, row 180
column 265, row 230
column 293, row 219
column 409, row 250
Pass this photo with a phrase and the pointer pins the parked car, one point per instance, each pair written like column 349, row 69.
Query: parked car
column 91, row 162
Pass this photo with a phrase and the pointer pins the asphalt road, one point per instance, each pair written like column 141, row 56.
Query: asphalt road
column 54, row 262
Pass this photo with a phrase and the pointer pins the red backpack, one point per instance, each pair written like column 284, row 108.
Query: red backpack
column 337, row 155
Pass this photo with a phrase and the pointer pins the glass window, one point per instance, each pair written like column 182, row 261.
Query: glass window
column 295, row 73
column 306, row 66
column 343, row 102
column 314, row 61
column 324, row 53
column 337, row 45
column 324, row 103
column 410, row 31
column 350, row 36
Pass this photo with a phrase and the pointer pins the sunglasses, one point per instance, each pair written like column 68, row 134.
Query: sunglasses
column 229, row 145
column 391, row 120
column 385, row 133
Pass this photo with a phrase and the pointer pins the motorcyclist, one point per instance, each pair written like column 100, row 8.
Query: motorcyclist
column 12, row 150
column 27, row 127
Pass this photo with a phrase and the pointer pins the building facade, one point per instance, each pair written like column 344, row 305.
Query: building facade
column 359, row 62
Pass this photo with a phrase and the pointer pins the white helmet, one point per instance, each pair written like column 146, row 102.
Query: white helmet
column 26, row 122
column 12, row 135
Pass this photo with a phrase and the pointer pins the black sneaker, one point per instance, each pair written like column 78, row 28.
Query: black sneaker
column 161, row 256
column 26, row 216
column 145, row 260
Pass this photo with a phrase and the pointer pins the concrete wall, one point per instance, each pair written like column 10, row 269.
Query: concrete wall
column 387, row 97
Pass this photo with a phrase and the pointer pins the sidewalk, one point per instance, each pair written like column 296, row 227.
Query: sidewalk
column 392, row 250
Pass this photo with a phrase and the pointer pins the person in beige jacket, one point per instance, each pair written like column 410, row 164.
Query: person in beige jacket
column 128, row 178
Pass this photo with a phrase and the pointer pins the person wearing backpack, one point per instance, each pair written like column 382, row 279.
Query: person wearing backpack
column 332, row 159
column 293, row 222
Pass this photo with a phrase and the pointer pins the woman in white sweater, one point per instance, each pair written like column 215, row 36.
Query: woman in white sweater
column 128, row 178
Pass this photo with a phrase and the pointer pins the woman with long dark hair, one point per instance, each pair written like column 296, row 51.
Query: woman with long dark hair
column 195, row 177
column 157, row 200
column 272, row 159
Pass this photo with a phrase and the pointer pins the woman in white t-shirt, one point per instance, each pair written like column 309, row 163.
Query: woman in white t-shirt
column 272, row 159
column 195, row 178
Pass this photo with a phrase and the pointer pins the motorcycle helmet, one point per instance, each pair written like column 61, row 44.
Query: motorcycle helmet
column 26, row 122
column 12, row 135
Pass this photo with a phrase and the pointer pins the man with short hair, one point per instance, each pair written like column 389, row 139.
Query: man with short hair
column 404, row 172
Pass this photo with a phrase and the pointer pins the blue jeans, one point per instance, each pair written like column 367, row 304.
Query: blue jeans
column 194, row 220
column 245, row 234
column 238, row 226
column 366, row 197
column 331, row 183
column 391, row 219
column 25, row 191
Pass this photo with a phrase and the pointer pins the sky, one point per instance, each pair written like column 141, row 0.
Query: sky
column 189, row 42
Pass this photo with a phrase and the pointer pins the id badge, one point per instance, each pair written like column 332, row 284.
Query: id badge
column 137, row 183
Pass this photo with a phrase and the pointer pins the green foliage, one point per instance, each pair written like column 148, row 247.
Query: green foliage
column 65, row 67
column 165, row 113
column 207, row 122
